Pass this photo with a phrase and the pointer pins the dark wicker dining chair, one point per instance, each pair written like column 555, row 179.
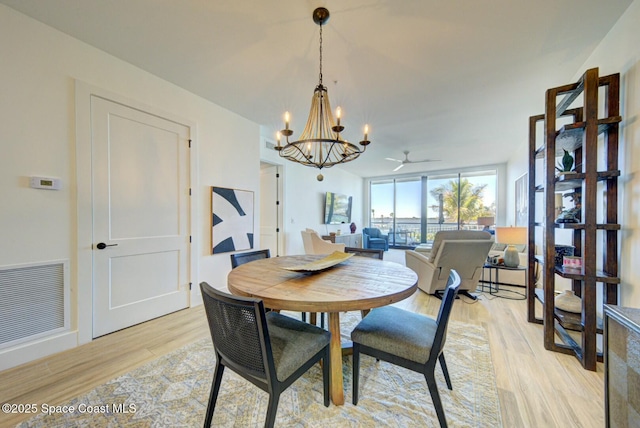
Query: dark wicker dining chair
column 409, row 340
column 238, row 259
column 374, row 253
column 268, row 349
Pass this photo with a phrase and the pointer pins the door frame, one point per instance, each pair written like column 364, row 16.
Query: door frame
column 82, row 301
column 280, row 208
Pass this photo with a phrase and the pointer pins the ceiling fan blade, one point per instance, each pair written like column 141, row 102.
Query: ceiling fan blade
column 392, row 159
column 398, row 167
column 426, row 160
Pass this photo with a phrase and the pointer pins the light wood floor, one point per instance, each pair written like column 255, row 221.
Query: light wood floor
column 537, row 388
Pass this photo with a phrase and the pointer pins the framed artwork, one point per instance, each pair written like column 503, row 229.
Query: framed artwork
column 522, row 201
column 232, row 220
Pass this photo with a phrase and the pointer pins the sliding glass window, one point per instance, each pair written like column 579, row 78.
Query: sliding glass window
column 412, row 210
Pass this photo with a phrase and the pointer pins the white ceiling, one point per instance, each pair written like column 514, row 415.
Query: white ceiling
column 452, row 80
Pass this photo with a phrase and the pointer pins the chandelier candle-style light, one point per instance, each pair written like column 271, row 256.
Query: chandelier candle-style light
column 320, row 144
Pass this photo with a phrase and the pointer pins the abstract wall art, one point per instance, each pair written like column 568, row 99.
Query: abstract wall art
column 232, row 220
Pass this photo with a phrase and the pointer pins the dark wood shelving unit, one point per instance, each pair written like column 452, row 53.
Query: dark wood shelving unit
column 586, row 137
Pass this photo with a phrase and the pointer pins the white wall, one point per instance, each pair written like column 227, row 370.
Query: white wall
column 38, row 71
column 304, row 198
column 618, row 52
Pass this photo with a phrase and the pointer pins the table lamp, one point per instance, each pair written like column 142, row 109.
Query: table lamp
column 486, row 221
column 511, row 236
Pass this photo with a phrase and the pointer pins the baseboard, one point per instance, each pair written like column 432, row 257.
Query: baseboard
column 31, row 351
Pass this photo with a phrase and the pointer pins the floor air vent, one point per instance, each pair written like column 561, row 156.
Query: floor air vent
column 33, row 302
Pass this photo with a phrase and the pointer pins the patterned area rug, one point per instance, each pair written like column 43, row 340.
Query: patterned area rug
column 173, row 392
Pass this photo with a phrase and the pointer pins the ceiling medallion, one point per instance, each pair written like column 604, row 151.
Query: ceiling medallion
column 320, row 145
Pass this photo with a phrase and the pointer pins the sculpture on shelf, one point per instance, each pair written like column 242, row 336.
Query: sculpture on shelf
column 567, row 163
column 352, row 226
column 571, row 215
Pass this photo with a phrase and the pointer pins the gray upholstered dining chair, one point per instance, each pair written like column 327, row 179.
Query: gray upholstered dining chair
column 268, row 349
column 409, row 340
column 238, row 259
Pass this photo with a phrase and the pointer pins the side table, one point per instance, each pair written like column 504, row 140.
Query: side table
column 494, row 286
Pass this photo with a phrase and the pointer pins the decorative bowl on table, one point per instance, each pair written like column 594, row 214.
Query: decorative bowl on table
column 331, row 260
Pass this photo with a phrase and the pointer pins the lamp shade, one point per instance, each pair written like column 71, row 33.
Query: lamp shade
column 511, row 235
column 486, row 221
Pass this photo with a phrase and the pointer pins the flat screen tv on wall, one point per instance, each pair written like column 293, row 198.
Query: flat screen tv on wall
column 337, row 208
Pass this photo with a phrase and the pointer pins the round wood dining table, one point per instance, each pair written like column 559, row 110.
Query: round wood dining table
column 356, row 284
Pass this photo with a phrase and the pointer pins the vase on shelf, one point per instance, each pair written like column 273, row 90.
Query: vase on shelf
column 569, row 302
column 352, row 226
column 563, row 251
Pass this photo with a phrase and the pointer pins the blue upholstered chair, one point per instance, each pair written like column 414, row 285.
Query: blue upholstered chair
column 373, row 238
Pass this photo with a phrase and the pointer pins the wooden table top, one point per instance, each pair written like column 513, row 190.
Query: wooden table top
column 358, row 283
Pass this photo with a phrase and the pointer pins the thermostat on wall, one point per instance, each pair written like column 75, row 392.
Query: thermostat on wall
column 45, row 183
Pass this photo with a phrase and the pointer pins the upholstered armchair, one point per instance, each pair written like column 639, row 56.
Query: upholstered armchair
column 463, row 250
column 314, row 244
column 373, row 238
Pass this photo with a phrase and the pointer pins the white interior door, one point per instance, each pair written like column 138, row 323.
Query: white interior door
column 140, row 188
column 270, row 209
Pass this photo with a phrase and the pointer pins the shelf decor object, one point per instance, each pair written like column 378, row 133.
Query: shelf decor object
column 580, row 121
column 511, row 236
column 562, row 251
column 320, row 144
column 567, row 301
column 567, row 163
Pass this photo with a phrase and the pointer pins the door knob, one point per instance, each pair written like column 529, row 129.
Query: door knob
column 102, row 246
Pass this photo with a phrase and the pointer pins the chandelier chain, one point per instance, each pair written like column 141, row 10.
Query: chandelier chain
column 320, row 77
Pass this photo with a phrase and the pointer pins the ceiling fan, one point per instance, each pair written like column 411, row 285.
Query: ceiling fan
column 406, row 160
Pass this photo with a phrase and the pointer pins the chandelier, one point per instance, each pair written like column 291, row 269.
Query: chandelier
column 320, row 145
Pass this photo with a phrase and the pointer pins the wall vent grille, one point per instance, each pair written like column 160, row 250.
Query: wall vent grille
column 34, row 301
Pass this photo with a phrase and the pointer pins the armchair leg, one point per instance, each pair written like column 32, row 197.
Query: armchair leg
column 469, row 295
